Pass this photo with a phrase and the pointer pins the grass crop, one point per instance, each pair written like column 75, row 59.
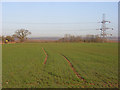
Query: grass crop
column 23, row 65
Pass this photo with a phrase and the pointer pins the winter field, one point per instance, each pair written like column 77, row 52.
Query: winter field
column 60, row 65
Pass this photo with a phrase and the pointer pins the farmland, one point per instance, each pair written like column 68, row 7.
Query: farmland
column 96, row 63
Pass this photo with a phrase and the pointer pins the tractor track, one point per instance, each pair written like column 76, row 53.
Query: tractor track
column 77, row 74
column 46, row 56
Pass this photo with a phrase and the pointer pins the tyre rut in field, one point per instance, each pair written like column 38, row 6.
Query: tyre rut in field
column 46, row 56
column 77, row 74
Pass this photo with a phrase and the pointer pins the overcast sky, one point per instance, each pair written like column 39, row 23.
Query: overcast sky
column 56, row 19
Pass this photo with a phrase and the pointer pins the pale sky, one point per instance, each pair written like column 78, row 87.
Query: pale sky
column 58, row 18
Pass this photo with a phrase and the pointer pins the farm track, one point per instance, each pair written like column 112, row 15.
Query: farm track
column 77, row 74
column 46, row 56
column 80, row 77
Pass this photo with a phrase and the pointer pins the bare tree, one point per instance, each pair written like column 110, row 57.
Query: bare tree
column 86, row 38
column 22, row 34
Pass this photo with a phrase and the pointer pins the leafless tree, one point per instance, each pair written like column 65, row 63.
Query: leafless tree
column 22, row 34
column 86, row 38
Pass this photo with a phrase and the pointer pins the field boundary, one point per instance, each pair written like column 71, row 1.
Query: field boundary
column 45, row 55
column 71, row 65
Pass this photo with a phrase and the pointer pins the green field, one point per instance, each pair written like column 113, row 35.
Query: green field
column 23, row 65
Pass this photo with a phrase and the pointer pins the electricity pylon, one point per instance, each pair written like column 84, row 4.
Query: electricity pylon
column 103, row 28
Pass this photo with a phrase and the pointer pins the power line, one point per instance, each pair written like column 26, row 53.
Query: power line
column 72, row 29
column 49, row 23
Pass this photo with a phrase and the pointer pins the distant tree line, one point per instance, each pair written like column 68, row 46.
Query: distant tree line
column 20, row 34
column 87, row 38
